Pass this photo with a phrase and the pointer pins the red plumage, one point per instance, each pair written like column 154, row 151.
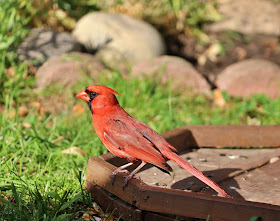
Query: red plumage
column 128, row 138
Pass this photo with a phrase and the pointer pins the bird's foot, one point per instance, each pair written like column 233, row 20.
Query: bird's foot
column 129, row 177
column 113, row 175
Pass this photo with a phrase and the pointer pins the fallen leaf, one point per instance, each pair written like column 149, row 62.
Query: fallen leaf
column 22, row 111
column 218, row 98
column 32, row 69
column 274, row 159
column 11, row 72
column 36, row 105
column 95, row 209
column 241, row 53
column 58, row 139
column 202, row 60
column 211, row 53
column 74, row 150
column 253, row 121
column 39, row 107
column 85, row 216
column 26, row 125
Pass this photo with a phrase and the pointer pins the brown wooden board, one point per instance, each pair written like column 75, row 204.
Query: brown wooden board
column 259, row 185
column 226, row 136
column 219, row 164
column 171, row 195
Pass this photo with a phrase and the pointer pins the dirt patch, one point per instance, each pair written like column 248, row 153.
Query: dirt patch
column 235, row 47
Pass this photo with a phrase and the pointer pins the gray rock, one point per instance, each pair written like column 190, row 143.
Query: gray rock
column 249, row 77
column 181, row 74
column 248, row 17
column 42, row 44
column 118, row 38
column 67, row 69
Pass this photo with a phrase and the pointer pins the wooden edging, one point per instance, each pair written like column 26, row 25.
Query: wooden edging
column 188, row 204
column 224, row 136
column 177, row 202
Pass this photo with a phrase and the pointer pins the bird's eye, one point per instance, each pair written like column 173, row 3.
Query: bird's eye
column 91, row 94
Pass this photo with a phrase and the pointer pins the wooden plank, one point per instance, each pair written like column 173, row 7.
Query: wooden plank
column 176, row 202
column 189, row 204
column 219, row 164
column 259, row 185
column 109, row 202
column 228, row 136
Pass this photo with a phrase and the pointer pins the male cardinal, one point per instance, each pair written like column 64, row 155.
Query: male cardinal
column 128, row 138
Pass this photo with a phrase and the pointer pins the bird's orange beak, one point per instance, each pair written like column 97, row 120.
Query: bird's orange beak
column 83, row 95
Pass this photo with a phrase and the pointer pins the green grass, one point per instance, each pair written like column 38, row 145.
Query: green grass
column 38, row 181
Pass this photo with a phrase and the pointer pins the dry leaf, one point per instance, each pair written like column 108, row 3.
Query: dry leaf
column 58, row 140
column 274, row 159
column 79, row 109
column 85, row 216
column 202, row 59
column 11, row 72
column 218, row 98
column 22, row 111
column 241, row 53
column 211, row 53
column 32, row 69
column 253, row 121
column 39, row 107
column 95, row 209
column 74, row 150
column 36, row 105
column 26, row 125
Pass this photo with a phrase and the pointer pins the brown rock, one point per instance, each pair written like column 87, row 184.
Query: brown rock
column 248, row 17
column 249, row 77
column 182, row 75
column 68, row 69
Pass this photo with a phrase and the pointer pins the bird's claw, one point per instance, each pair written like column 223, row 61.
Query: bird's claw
column 129, row 177
column 113, row 178
column 114, row 174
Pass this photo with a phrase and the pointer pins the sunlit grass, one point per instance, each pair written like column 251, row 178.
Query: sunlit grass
column 34, row 173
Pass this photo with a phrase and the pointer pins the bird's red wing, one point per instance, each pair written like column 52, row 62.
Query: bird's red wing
column 133, row 143
column 150, row 134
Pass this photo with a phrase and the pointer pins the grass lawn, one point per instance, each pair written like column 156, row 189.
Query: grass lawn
column 37, row 180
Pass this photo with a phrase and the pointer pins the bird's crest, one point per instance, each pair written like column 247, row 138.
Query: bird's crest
column 101, row 89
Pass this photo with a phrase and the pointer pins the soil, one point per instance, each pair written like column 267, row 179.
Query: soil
column 236, row 47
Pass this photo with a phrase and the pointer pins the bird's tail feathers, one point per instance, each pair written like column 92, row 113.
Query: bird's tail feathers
column 184, row 164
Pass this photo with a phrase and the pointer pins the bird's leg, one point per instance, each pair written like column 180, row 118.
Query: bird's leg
column 133, row 173
column 119, row 170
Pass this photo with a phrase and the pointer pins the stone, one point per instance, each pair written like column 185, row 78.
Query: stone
column 118, row 38
column 42, row 44
column 67, row 69
column 248, row 17
column 181, row 74
column 249, row 77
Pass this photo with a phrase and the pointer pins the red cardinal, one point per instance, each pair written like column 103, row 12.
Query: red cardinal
column 131, row 139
